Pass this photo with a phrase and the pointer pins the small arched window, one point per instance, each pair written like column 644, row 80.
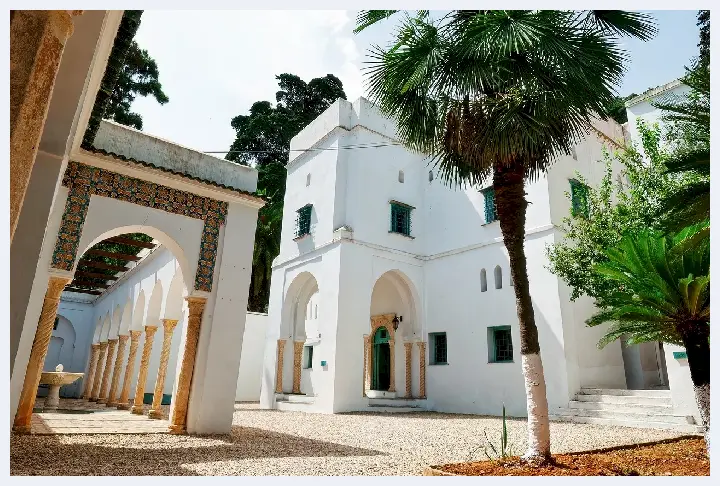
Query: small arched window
column 307, row 180
column 315, row 311
column 431, row 176
column 498, row 277
column 401, row 177
column 483, row 281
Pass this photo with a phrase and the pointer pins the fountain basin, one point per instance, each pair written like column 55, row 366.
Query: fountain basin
column 56, row 379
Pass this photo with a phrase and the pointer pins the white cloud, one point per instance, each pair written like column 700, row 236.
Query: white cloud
column 215, row 64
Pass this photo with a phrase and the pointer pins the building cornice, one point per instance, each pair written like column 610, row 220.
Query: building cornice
column 653, row 92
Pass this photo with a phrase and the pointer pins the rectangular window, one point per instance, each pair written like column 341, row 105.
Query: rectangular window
column 490, row 209
column 438, row 348
column 579, row 198
column 302, row 223
column 500, row 344
column 308, row 357
column 400, row 221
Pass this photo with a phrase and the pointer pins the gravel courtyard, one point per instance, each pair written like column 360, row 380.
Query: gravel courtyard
column 269, row 442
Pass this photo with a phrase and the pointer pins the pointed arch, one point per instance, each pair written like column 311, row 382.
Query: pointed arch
column 139, row 312
column 174, row 302
column 154, row 305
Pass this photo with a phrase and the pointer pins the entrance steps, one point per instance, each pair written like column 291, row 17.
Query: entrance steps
column 394, row 405
column 647, row 409
column 290, row 402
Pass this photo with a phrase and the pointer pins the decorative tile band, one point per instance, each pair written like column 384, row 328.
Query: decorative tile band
column 84, row 181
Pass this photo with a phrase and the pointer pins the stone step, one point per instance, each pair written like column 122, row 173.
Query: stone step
column 294, row 398
column 621, row 407
column 390, row 409
column 624, row 399
column 392, row 402
column 625, row 393
column 294, row 406
column 639, row 424
column 631, row 416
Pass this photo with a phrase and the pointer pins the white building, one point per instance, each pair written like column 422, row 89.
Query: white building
column 370, row 234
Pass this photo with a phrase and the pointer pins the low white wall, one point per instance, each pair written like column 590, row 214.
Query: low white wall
column 251, row 359
column 681, row 387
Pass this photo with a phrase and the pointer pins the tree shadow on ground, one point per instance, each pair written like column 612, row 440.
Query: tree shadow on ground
column 159, row 454
column 430, row 415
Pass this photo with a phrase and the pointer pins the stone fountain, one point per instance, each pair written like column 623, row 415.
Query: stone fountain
column 56, row 379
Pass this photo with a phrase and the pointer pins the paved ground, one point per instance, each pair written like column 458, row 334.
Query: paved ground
column 268, row 442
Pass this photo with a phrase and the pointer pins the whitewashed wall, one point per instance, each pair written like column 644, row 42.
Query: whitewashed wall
column 251, row 359
column 438, row 272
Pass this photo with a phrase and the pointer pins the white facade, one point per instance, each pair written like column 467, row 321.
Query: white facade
column 328, row 284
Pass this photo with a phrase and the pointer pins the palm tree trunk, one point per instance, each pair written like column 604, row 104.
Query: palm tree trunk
column 509, row 186
column 696, row 339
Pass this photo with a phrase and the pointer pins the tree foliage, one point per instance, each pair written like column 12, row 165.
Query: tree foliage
column 139, row 77
column 263, row 140
column 616, row 109
column 621, row 203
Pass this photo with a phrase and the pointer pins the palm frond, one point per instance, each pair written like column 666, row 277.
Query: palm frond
column 366, row 18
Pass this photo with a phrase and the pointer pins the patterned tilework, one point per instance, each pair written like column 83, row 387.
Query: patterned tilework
column 84, row 181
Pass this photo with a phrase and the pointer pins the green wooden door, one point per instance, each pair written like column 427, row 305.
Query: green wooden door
column 381, row 360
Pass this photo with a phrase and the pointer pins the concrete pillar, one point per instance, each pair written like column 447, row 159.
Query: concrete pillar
column 37, row 41
column 88, row 379
column 117, row 371
column 279, row 368
column 408, row 370
column 97, row 379
column 23, row 417
column 297, row 365
column 178, row 416
column 137, row 407
column 123, row 403
column 102, row 398
column 168, row 328
column 421, row 346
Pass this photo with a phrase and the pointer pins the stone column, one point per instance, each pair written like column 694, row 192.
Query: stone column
column 391, row 388
column 178, row 416
column 408, row 370
column 37, row 41
column 137, row 407
column 44, row 330
column 168, row 328
column 279, row 367
column 366, row 364
column 421, row 346
column 297, row 365
column 117, row 371
column 102, row 350
column 102, row 398
column 123, row 403
column 88, row 380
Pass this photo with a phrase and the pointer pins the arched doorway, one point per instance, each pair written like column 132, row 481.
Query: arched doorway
column 381, row 360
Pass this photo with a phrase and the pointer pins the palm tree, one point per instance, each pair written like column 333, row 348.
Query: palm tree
column 502, row 93
column 663, row 295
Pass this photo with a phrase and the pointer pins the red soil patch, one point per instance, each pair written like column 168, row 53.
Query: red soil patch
column 686, row 456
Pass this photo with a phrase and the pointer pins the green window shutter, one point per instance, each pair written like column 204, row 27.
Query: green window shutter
column 439, row 348
column 400, row 221
column 302, row 221
column 490, row 209
column 579, row 198
column 502, row 349
column 309, row 361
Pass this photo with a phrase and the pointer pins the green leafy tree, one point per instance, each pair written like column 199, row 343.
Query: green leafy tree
column 628, row 202
column 139, row 77
column 502, row 93
column 661, row 293
column 616, row 109
column 263, row 139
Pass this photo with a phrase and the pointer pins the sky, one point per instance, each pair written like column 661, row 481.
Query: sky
column 231, row 58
